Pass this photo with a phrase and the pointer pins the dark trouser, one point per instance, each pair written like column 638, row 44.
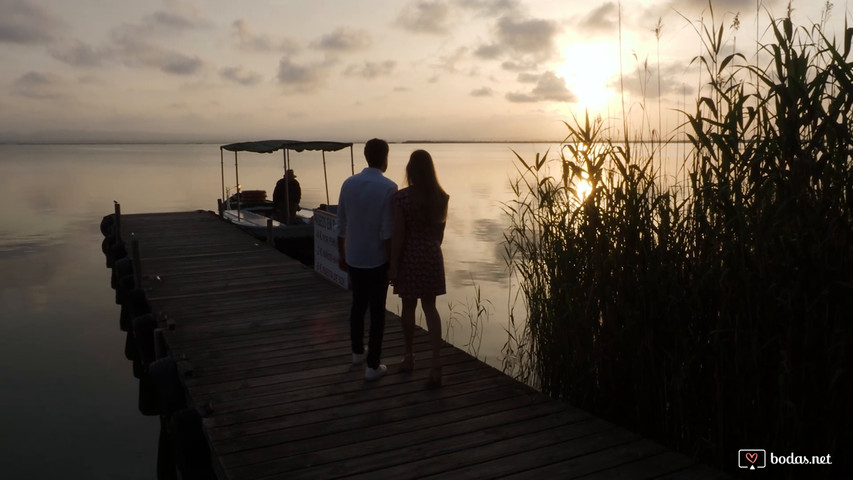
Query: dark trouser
column 369, row 289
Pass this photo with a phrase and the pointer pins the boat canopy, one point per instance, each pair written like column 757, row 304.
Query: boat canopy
column 269, row 146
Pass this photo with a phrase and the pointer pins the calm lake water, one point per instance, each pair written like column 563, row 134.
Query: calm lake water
column 69, row 399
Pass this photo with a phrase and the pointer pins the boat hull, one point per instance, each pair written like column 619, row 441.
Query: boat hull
column 256, row 224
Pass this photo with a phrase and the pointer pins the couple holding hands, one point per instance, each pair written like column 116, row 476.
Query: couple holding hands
column 386, row 235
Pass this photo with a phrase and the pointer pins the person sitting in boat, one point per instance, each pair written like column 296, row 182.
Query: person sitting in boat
column 286, row 197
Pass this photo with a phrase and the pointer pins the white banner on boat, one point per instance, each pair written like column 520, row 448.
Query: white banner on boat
column 326, row 249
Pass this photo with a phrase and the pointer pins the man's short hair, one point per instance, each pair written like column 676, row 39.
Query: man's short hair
column 376, row 152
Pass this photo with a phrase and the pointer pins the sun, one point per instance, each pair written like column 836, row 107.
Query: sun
column 588, row 69
column 583, row 188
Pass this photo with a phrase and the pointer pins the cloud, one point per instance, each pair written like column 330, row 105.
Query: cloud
column 425, row 16
column 448, row 62
column 491, row 8
column 139, row 44
column 530, row 37
column 248, row 40
column 300, row 78
column 40, row 86
column 482, row 92
column 721, row 5
column 602, row 19
column 129, row 49
column 489, row 52
column 79, row 54
column 516, row 66
column 178, row 16
column 239, row 76
column 517, row 97
column 90, row 80
column 642, row 82
column 522, row 42
column 528, row 77
column 344, row 40
column 26, row 22
column 646, row 17
column 134, row 51
column 549, row 87
column 180, row 64
column 371, row 69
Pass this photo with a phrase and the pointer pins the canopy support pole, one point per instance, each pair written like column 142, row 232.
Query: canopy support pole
column 222, row 171
column 325, row 177
column 237, row 178
column 286, row 154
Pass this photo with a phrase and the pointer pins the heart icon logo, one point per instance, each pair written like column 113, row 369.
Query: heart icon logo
column 751, row 457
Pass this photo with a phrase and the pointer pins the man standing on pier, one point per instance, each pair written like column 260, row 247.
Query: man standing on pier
column 363, row 226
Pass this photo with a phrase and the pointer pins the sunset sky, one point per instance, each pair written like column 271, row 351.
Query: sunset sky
column 223, row 71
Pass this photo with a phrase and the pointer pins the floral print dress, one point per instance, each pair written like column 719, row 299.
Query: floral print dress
column 421, row 270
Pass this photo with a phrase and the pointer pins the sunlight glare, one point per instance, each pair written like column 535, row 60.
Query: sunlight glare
column 582, row 188
column 588, row 69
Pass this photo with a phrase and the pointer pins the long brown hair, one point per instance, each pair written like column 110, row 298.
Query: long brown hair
column 429, row 199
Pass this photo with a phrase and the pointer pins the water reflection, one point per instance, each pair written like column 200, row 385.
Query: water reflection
column 476, row 273
column 481, row 191
column 59, row 344
column 488, row 230
column 34, row 263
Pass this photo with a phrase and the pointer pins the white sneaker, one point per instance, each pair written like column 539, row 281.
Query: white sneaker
column 371, row 374
column 358, row 358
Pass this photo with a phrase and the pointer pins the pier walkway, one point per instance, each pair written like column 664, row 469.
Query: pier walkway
column 264, row 342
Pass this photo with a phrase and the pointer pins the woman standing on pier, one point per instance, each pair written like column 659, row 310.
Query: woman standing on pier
column 417, row 264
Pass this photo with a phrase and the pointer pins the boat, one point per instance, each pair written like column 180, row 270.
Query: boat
column 251, row 211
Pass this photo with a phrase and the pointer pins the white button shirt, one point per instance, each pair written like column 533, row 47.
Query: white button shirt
column 364, row 217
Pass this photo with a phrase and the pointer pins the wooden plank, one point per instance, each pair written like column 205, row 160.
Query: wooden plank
column 350, row 449
column 264, row 343
column 698, row 472
column 410, row 418
column 664, row 463
column 472, row 447
column 510, row 467
column 330, row 422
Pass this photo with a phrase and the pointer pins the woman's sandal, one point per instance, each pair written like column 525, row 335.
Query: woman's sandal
column 434, row 380
column 408, row 363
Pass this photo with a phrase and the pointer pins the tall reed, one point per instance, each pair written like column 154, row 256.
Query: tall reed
column 718, row 319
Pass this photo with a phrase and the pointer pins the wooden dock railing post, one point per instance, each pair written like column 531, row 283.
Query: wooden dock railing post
column 270, row 237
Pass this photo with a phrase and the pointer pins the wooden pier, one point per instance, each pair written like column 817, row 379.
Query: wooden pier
column 263, row 344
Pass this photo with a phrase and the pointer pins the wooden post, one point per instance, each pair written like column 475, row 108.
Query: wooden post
column 117, row 224
column 220, row 206
column 270, row 237
column 137, row 268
